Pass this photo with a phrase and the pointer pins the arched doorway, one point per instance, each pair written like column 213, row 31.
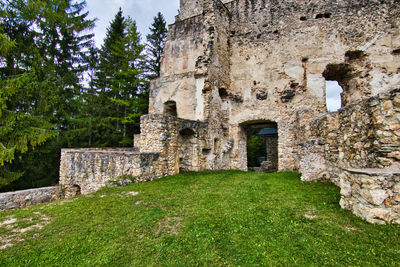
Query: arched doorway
column 261, row 145
column 188, row 161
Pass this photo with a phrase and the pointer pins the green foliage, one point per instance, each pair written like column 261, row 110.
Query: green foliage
column 5, row 44
column 121, row 88
column 156, row 44
column 228, row 218
column 47, row 51
column 39, row 77
column 255, row 147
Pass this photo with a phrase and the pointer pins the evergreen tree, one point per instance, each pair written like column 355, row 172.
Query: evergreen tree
column 129, row 81
column 156, row 44
column 119, row 82
column 40, row 77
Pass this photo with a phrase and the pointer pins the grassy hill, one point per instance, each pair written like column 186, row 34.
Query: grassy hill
column 207, row 218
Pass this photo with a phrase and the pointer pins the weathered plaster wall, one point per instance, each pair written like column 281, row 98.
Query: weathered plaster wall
column 282, row 53
column 25, row 198
column 177, row 82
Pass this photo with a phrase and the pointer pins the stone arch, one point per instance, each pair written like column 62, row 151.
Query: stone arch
column 188, row 150
column 72, row 191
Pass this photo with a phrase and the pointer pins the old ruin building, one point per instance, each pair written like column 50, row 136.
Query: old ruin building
column 232, row 65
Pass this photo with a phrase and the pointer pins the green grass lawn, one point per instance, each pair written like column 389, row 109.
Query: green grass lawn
column 207, row 218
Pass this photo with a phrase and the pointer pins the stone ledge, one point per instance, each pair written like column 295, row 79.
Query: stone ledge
column 374, row 171
column 25, row 198
column 106, row 151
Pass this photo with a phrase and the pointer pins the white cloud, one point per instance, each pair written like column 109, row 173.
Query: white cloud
column 333, row 97
column 142, row 11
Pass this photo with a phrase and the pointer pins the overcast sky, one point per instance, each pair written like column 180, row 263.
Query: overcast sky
column 142, row 11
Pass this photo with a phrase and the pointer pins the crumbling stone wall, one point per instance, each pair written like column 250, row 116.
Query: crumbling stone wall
column 159, row 134
column 230, row 64
column 83, row 171
column 357, row 148
column 25, row 198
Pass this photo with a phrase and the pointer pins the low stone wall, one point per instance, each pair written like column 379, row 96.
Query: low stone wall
column 372, row 194
column 83, row 171
column 21, row 199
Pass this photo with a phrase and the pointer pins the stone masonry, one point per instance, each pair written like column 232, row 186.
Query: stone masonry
column 232, row 64
column 25, row 198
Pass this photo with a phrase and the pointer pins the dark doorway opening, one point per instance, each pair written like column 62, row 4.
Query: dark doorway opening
column 187, row 150
column 262, row 146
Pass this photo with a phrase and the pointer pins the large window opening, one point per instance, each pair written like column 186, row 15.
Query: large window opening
column 333, row 96
column 337, row 78
column 262, row 146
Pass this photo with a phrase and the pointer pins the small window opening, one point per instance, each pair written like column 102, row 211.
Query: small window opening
column 333, row 96
column 206, row 151
column 223, row 94
column 324, row 15
column 186, row 133
column 170, row 108
column 396, row 52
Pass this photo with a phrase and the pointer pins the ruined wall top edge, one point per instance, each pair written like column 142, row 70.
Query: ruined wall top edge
column 190, row 8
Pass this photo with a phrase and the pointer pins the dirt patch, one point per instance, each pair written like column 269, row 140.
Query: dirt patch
column 15, row 233
column 132, row 193
column 59, row 203
column 310, row 216
column 350, row 228
column 169, row 225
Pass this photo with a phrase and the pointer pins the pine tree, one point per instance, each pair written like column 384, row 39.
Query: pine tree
column 155, row 45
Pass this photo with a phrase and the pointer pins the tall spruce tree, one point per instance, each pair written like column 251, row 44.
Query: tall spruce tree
column 119, row 81
column 40, row 77
column 156, row 44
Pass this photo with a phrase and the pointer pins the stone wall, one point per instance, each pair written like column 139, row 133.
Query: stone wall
column 25, row 198
column 84, row 171
column 159, row 134
column 372, row 194
column 357, row 148
column 177, row 82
